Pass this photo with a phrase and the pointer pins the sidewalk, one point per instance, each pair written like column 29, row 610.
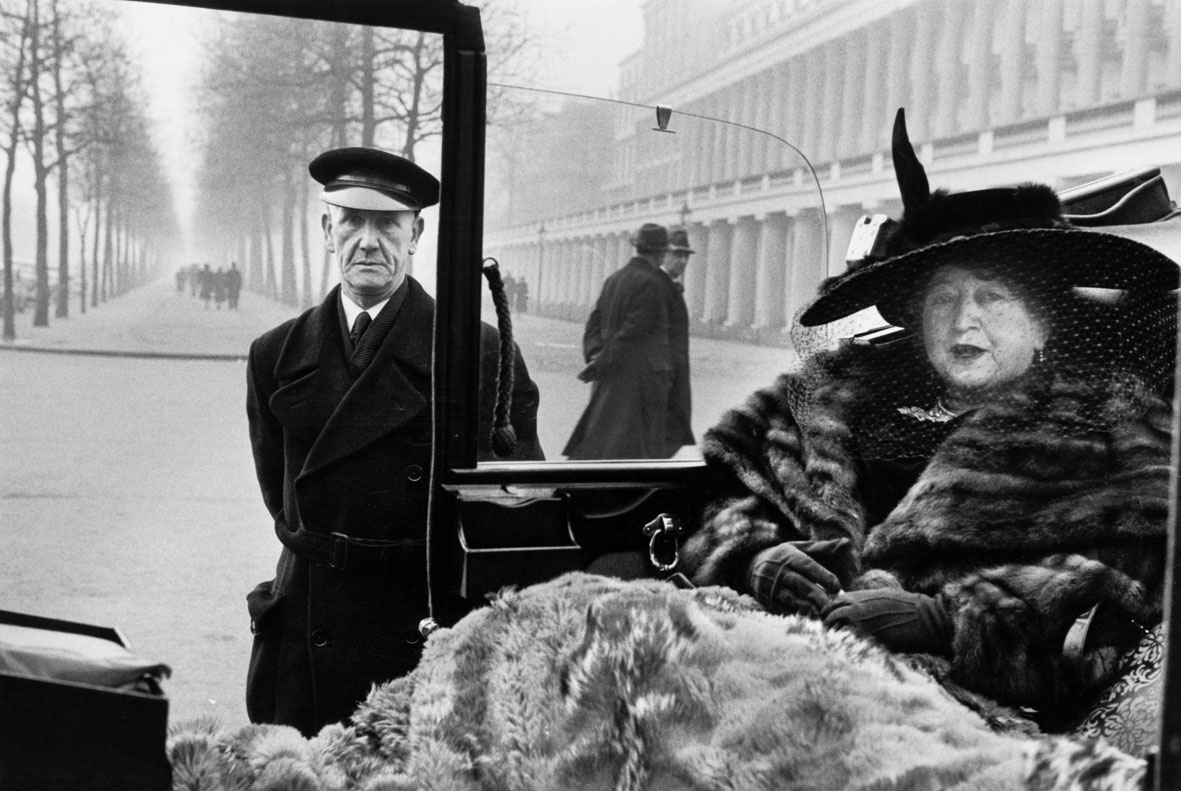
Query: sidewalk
column 154, row 321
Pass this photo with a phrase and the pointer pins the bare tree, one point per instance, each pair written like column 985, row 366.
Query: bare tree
column 15, row 86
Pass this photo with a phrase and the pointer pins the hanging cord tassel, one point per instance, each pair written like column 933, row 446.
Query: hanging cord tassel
column 504, row 438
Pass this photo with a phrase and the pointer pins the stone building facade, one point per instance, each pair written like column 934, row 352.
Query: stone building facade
column 996, row 92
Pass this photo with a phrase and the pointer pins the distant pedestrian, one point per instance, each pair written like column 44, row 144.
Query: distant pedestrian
column 522, row 296
column 206, row 285
column 628, row 360
column 233, row 285
column 182, row 276
column 220, row 282
column 195, row 279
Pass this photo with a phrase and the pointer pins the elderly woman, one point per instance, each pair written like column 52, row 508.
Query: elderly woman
column 966, row 490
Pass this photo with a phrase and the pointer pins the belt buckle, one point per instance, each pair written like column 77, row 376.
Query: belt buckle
column 338, row 552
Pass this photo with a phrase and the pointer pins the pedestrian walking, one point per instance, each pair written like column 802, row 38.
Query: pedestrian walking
column 206, row 285
column 220, row 284
column 233, row 285
column 628, row 360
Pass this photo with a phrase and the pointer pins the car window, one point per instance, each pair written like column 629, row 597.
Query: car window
column 614, row 342
column 128, row 496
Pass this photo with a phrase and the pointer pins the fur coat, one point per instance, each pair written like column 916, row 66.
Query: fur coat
column 1018, row 516
column 592, row 683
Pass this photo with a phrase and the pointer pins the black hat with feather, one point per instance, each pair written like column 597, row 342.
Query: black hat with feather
column 1022, row 224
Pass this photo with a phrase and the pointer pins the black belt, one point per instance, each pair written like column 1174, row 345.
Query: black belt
column 341, row 552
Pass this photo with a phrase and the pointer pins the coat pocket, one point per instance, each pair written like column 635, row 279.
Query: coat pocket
column 263, row 605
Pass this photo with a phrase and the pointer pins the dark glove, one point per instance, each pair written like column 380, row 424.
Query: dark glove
column 909, row 623
column 791, row 577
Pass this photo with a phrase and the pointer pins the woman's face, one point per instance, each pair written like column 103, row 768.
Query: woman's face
column 977, row 329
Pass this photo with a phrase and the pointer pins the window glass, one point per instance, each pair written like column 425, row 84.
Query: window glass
column 128, row 496
column 636, row 357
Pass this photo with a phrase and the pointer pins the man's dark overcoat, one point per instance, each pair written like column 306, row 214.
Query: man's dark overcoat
column 337, row 452
column 626, row 346
column 680, row 399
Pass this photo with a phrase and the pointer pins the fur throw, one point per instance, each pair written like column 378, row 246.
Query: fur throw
column 592, row 683
column 1020, row 516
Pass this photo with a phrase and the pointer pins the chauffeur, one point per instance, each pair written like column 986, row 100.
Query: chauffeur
column 339, row 408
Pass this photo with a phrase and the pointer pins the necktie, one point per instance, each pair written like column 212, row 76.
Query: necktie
column 359, row 326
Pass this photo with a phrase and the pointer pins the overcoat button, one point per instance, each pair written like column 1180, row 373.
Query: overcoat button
column 414, row 472
column 319, row 638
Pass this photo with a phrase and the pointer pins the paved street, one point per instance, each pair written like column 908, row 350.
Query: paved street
column 127, row 492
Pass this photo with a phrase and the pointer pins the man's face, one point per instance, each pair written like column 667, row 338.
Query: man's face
column 675, row 263
column 372, row 249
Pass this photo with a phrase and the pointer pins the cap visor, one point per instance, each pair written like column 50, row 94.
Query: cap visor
column 364, row 198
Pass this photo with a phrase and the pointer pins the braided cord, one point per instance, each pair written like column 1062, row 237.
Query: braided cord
column 504, row 437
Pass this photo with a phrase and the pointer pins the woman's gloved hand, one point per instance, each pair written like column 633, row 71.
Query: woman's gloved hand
column 794, row 577
column 909, row 623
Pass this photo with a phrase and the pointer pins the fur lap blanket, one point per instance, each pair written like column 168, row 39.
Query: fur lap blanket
column 592, row 683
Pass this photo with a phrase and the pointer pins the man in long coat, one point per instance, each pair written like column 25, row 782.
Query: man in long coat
column 629, row 362
column 339, row 406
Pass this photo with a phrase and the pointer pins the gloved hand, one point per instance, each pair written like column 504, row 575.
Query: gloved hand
column 792, row 578
column 911, row 623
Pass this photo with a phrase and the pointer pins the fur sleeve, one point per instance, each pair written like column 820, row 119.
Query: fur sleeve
column 772, row 480
column 1011, row 624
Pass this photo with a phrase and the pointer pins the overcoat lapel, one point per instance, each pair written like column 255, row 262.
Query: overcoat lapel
column 351, row 414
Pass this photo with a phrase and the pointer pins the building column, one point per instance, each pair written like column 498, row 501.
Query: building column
column 573, row 270
column 852, row 96
column 980, row 66
column 920, row 70
column 717, row 281
column 830, row 109
column 841, row 221
column 742, row 148
column 807, row 266
column 897, row 79
column 603, row 259
column 873, row 89
column 776, row 119
column 695, row 274
column 950, row 73
column 790, row 121
column 744, row 258
column 771, row 273
column 811, row 122
column 586, row 270
column 1049, row 54
column 1088, row 53
column 721, row 142
column 562, row 272
column 1012, row 66
column 765, row 95
column 543, row 253
column 1134, row 74
column 1173, row 57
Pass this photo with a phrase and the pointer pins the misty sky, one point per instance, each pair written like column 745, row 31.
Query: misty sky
column 582, row 41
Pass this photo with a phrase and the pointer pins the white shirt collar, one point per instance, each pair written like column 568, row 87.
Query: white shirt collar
column 352, row 309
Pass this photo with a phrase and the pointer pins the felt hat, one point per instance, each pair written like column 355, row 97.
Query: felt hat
column 678, row 240
column 651, row 238
column 374, row 180
column 930, row 219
